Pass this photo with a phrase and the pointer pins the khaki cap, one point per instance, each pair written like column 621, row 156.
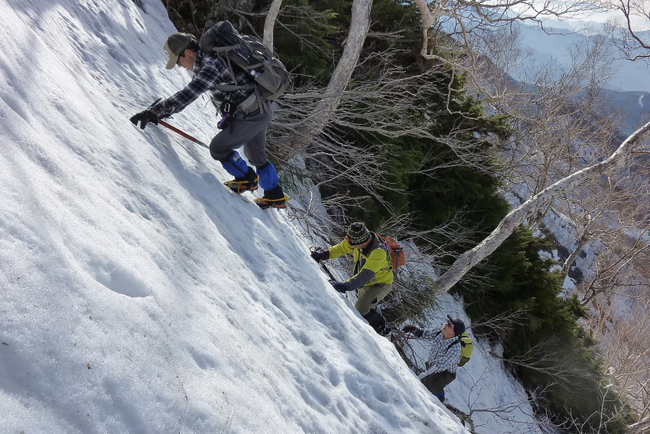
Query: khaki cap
column 175, row 46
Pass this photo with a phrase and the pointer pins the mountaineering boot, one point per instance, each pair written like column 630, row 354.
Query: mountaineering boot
column 377, row 321
column 248, row 183
column 240, row 186
column 273, row 198
column 265, row 203
column 245, row 177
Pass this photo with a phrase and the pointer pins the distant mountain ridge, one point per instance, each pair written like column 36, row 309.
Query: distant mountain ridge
column 629, row 76
column 628, row 90
column 635, row 107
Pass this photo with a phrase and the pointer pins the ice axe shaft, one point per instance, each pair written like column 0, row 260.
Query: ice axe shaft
column 182, row 133
column 331, row 276
column 325, row 269
column 329, row 273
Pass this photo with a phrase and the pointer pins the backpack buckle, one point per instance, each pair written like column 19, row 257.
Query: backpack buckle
column 226, row 108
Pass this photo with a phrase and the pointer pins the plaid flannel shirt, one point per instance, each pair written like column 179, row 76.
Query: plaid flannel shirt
column 441, row 358
column 209, row 72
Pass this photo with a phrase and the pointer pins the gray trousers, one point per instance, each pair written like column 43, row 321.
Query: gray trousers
column 248, row 131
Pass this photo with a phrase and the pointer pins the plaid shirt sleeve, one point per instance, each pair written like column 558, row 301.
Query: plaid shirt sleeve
column 210, row 72
column 441, row 358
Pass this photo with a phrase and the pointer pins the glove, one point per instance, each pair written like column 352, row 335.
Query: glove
column 144, row 118
column 319, row 254
column 339, row 286
column 409, row 329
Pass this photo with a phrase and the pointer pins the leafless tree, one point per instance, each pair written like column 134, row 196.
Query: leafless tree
column 505, row 411
column 618, row 239
column 555, row 137
column 319, row 116
column 636, row 17
column 557, row 125
column 595, row 423
column 609, row 217
column 462, row 18
column 384, row 102
column 623, row 326
column 529, row 209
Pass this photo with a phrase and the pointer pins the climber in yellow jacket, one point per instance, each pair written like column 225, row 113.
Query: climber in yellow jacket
column 372, row 274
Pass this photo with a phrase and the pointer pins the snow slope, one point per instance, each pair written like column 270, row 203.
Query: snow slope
column 137, row 294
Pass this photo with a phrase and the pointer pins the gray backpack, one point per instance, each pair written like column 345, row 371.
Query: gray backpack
column 250, row 54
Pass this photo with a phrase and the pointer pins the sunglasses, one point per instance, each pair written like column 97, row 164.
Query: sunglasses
column 179, row 58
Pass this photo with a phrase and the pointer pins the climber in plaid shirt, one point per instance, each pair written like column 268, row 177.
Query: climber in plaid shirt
column 444, row 354
column 244, row 118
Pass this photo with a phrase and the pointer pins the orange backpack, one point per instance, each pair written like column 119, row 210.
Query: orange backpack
column 397, row 253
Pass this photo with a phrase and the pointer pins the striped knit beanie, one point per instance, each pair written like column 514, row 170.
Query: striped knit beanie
column 358, row 234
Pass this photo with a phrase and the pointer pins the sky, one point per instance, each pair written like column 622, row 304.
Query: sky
column 140, row 296
column 638, row 21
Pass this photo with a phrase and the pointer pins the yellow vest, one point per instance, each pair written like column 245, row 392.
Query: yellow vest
column 376, row 259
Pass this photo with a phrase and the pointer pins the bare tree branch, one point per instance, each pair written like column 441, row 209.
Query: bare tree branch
column 635, row 45
column 528, row 209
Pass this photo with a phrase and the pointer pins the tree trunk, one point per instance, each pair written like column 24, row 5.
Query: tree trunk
column 529, row 208
column 269, row 23
column 359, row 25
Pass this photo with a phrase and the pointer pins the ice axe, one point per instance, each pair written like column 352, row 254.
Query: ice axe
column 326, row 270
column 182, row 133
column 178, row 131
column 329, row 273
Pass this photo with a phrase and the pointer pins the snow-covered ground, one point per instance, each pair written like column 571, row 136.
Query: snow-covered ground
column 138, row 295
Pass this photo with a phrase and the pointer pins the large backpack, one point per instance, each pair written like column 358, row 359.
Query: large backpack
column 398, row 256
column 250, row 54
column 466, row 347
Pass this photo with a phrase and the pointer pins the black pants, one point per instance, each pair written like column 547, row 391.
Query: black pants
column 376, row 321
column 436, row 382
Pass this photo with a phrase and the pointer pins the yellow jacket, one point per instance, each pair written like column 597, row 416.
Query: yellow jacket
column 372, row 265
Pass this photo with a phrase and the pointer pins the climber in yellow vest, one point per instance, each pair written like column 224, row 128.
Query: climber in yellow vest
column 372, row 273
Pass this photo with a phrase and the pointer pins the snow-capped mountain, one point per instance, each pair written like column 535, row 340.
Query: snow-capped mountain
column 628, row 88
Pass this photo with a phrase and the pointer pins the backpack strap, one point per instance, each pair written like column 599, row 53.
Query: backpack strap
column 225, row 48
column 377, row 243
column 386, row 247
column 457, row 341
